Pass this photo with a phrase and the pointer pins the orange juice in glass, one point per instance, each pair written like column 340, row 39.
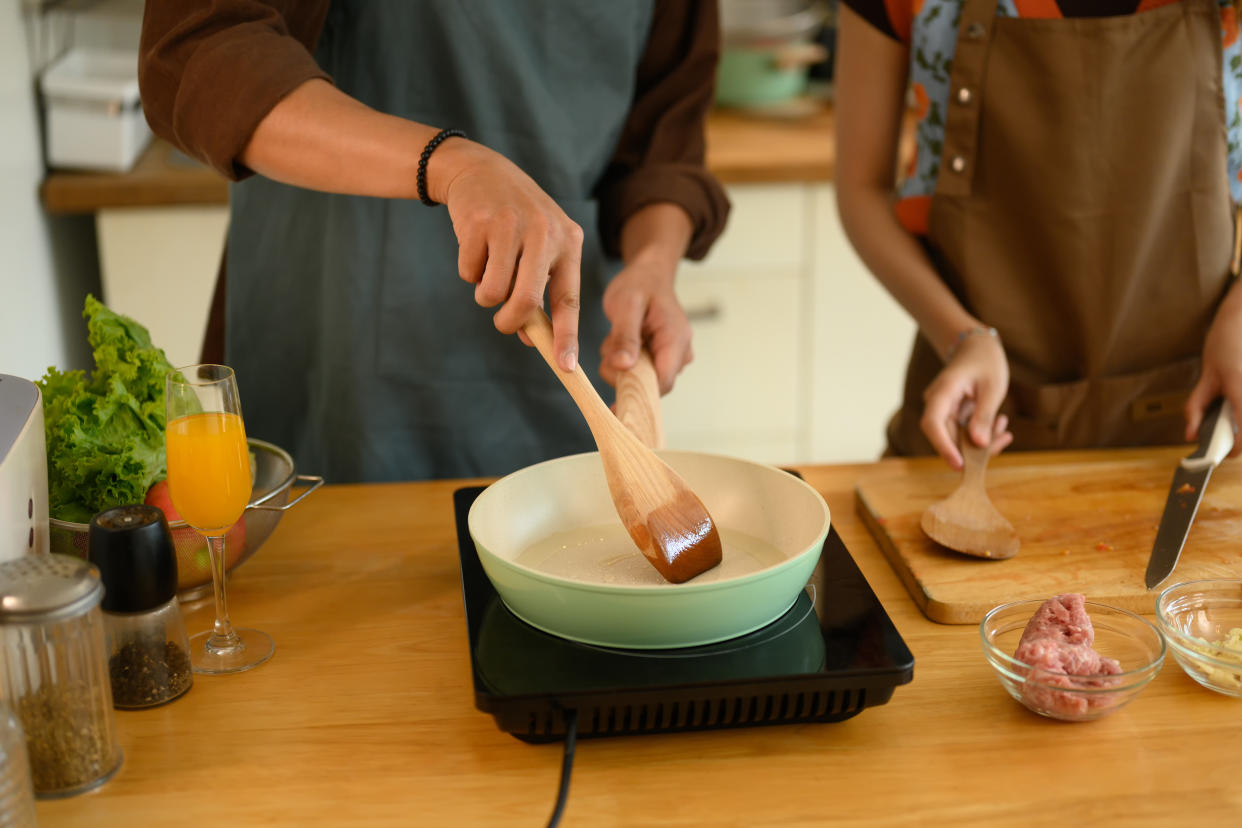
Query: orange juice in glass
column 209, row 483
column 208, row 469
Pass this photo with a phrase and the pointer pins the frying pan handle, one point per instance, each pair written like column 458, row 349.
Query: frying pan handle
column 315, row 482
column 638, row 401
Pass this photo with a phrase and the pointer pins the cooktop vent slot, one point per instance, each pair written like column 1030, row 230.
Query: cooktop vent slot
column 700, row 714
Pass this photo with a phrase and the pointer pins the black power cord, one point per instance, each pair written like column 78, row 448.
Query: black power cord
column 567, row 767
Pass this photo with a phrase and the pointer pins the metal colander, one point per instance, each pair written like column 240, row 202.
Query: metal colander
column 274, row 479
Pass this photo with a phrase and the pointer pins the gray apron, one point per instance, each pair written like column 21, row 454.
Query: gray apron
column 356, row 345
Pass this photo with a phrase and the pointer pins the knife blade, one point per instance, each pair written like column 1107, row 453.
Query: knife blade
column 1189, row 480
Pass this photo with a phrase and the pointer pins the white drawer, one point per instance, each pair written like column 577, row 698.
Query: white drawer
column 748, row 359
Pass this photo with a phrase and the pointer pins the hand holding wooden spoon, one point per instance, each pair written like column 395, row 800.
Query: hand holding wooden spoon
column 666, row 520
column 966, row 521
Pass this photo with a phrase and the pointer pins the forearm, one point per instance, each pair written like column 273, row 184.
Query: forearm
column 871, row 75
column 1232, row 303
column 658, row 234
column 899, row 262
column 641, row 302
column 319, row 138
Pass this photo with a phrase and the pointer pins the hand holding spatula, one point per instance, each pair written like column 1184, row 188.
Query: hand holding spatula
column 638, row 401
column 667, row 521
column 966, row 521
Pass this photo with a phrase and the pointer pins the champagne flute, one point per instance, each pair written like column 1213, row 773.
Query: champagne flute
column 209, row 483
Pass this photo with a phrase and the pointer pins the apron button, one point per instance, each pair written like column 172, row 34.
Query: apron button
column 964, row 95
column 958, row 164
column 975, row 31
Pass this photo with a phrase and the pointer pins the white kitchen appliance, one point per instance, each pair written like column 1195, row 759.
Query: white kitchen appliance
column 93, row 110
column 23, row 469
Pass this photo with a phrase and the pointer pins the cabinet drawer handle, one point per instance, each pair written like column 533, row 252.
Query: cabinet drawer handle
column 704, row 313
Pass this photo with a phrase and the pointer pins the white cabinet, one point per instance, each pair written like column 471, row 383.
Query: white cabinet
column 860, row 341
column 159, row 265
column 745, row 392
column 799, row 353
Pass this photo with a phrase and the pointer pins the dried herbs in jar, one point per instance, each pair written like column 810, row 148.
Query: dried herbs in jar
column 68, row 736
column 55, row 673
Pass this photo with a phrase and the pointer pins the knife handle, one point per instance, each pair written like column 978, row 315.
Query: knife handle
column 1215, row 439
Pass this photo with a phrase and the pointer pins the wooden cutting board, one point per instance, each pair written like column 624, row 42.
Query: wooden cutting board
column 1086, row 520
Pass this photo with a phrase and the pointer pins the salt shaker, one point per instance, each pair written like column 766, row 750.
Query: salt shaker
column 17, row 808
column 148, row 651
column 54, row 673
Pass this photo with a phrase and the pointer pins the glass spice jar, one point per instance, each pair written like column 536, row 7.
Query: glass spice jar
column 17, row 807
column 54, row 673
column 148, row 650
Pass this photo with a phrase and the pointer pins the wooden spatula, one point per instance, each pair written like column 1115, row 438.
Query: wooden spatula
column 667, row 521
column 966, row 521
column 638, row 401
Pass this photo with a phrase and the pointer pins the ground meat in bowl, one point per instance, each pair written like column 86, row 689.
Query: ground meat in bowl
column 1057, row 644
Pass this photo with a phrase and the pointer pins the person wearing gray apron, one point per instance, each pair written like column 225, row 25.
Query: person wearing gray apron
column 356, row 345
column 1076, row 223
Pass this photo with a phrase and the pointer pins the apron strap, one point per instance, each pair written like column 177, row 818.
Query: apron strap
column 1235, row 261
column 961, row 129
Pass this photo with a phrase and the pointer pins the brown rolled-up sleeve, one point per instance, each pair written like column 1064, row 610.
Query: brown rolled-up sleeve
column 210, row 70
column 661, row 156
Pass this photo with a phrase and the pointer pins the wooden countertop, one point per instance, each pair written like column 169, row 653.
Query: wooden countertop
column 742, row 148
column 365, row 716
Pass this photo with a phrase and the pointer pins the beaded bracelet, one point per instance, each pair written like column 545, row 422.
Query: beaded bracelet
column 439, row 138
column 966, row 334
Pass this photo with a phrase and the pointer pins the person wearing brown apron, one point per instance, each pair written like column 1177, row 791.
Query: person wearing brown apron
column 1075, row 214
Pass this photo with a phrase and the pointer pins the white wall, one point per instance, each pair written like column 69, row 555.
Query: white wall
column 47, row 264
column 108, row 24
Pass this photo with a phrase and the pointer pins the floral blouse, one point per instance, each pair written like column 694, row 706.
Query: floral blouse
column 929, row 28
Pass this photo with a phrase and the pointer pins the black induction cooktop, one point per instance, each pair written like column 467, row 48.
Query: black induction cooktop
column 834, row 653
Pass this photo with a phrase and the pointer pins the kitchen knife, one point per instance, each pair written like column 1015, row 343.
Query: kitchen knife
column 1215, row 441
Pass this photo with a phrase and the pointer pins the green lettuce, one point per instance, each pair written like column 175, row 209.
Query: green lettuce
column 105, row 433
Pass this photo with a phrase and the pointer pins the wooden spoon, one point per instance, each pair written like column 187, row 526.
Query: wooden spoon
column 966, row 521
column 667, row 521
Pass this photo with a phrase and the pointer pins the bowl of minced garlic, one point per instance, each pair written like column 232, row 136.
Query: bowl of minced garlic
column 1202, row 623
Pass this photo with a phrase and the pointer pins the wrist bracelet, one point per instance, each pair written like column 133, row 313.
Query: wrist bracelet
column 966, row 334
column 439, row 138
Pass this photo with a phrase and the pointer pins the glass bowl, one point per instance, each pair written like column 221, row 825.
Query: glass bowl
column 1119, row 634
column 274, row 479
column 1197, row 617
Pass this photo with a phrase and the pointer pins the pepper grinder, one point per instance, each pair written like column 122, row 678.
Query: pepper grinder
column 148, row 650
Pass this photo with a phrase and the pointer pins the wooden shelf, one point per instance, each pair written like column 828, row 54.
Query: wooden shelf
column 162, row 177
column 744, row 147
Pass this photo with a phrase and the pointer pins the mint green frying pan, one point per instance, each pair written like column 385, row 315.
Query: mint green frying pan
column 549, row 539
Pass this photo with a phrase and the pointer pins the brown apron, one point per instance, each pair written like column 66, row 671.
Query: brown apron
column 1083, row 210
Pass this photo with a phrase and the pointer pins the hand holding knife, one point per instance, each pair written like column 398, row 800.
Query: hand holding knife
column 1216, row 435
